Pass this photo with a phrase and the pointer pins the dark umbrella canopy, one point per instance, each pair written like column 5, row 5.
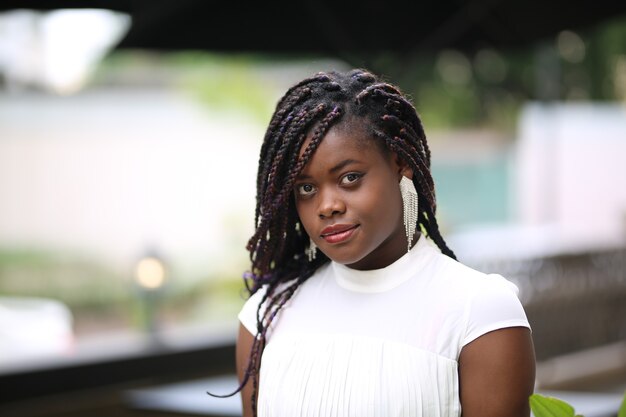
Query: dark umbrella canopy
column 340, row 27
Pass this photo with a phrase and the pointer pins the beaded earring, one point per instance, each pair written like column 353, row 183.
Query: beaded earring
column 410, row 206
column 311, row 250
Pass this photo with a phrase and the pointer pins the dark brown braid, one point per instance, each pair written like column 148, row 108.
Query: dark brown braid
column 310, row 109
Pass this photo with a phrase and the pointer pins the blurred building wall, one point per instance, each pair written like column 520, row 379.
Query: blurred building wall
column 571, row 172
column 113, row 172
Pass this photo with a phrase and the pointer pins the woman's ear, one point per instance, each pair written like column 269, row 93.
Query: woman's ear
column 402, row 166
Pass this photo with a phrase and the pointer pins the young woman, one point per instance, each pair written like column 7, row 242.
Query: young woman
column 358, row 307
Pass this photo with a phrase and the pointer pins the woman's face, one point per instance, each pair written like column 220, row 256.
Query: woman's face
column 348, row 200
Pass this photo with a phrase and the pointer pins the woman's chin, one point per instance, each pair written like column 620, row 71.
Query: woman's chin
column 343, row 257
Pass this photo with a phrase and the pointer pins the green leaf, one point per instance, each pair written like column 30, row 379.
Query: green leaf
column 622, row 409
column 544, row 406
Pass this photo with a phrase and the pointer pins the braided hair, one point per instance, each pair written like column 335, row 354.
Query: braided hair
column 308, row 110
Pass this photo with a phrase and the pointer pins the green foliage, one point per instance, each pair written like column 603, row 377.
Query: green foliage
column 75, row 280
column 100, row 297
column 219, row 82
column 232, row 85
column 487, row 87
column 544, row 406
column 218, row 298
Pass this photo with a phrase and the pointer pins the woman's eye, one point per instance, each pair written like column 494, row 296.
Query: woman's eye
column 350, row 178
column 305, row 189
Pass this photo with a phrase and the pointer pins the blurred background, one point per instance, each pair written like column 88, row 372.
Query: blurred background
column 129, row 138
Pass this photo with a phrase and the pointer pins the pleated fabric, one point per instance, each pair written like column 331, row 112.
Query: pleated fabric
column 348, row 376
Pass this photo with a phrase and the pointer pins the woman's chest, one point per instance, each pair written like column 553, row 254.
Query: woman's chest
column 347, row 375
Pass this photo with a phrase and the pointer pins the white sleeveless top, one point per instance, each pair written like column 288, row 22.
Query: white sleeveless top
column 384, row 342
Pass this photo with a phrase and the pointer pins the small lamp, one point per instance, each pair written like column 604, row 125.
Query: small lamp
column 150, row 276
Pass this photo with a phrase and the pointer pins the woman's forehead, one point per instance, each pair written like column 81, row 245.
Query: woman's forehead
column 346, row 136
column 339, row 145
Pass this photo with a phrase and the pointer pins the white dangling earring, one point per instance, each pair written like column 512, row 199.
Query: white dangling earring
column 311, row 250
column 410, row 206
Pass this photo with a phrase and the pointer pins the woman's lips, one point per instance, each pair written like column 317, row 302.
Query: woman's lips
column 338, row 233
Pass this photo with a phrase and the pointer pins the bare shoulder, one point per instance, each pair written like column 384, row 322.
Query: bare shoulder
column 497, row 374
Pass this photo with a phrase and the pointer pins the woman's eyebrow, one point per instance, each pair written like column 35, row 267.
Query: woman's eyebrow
column 334, row 169
column 343, row 164
column 302, row 176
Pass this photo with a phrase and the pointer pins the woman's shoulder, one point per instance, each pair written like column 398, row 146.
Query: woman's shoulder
column 248, row 313
column 468, row 279
column 483, row 301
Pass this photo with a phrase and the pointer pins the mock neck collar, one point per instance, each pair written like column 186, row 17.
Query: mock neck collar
column 389, row 277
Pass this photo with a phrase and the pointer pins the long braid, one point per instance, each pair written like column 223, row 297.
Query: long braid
column 307, row 111
column 275, row 198
column 278, row 125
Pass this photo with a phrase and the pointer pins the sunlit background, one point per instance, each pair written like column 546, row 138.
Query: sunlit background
column 127, row 182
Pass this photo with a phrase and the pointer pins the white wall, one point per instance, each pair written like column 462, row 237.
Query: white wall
column 111, row 172
column 571, row 170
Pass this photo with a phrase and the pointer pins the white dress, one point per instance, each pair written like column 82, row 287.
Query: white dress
column 384, row 342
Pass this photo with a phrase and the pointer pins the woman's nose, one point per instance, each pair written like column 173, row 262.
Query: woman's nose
column 330, row 204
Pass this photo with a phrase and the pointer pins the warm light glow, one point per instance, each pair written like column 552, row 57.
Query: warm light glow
column 150, row 273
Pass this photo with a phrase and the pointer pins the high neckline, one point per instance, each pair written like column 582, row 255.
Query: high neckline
column 389, row 277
